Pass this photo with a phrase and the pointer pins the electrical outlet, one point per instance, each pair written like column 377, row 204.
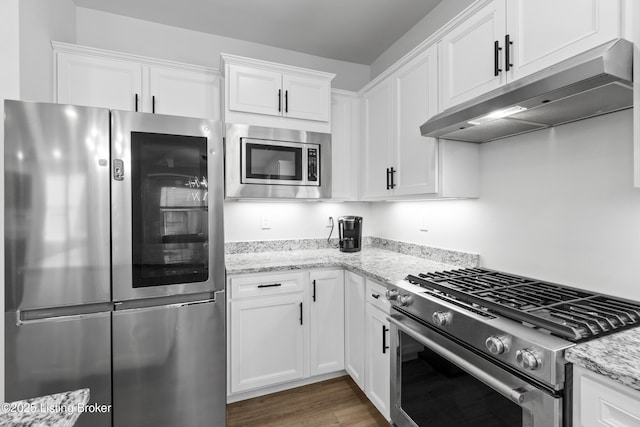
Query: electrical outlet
column 423, row 223
column 330, row 222
column 265, row 222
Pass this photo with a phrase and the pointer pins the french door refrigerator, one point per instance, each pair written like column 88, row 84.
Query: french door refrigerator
column 114, row 268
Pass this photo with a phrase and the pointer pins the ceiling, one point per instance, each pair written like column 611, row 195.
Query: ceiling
column 348, row 30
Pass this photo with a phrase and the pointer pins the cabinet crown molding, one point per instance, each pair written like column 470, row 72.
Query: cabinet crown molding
column 61, row 47
column 226, row 58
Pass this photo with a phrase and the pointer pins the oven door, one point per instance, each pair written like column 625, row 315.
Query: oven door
column 437, row 382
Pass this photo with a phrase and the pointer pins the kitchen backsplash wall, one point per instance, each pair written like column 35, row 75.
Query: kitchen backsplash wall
column 244, row 221
column 557, row 204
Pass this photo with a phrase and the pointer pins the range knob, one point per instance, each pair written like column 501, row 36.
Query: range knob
column 392, row 294
column 528, row 359
column 441, row 318
column 496, row 345
column 404, row 300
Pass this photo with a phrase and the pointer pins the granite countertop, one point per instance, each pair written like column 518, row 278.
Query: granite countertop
column 382, row 265
column 54, row 410
column 615, row 356
column 387, row 264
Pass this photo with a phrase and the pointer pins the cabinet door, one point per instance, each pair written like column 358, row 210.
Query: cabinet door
column 252, row 90
column 183, row 93
column 545, row 32
column 601, row 402
column 416, row 99
column 377, row 384
column 344, row 146
column 468, row 55
column 267, row 341
column 354, row 330
column 326, row 321
column 98, row 82
column 306, row 98
column 377, row 113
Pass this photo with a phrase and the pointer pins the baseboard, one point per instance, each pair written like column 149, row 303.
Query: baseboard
column 237, row 397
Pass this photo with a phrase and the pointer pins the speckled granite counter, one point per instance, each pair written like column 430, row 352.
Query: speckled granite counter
column 615, row 356
column 54, row 410
column 382, row 265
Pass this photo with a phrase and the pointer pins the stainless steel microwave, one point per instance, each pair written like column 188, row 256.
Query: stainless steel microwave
column 276, row 163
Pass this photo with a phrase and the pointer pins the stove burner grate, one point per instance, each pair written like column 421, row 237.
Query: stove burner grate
column 570, row 313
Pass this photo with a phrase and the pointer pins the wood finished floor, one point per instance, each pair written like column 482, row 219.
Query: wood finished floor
column 336, row 402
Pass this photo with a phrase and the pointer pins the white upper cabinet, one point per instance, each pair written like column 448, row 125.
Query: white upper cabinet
column 415, row 88
column 344, row 145
column 184, row 93
column 397, row 160
column 252, row 90
column 99, row 78
column 306, row 98
column 93, row 81
column 377, row 134
column 266, row 94
column 506, row 40
column 545, row 32
column 471, row 61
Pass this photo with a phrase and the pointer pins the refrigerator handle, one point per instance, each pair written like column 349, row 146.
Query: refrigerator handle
column 21, row 321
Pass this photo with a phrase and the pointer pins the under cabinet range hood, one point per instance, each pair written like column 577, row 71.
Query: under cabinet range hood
column 595, row 82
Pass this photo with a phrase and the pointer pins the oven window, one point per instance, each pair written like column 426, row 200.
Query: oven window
column 435, row 392
column 169, row 209
column 274, row 162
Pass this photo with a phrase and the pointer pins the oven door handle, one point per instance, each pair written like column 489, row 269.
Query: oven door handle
column 517, row 395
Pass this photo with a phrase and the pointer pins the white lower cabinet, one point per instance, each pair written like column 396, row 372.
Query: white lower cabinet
column 326, row 321
column 354, row 313
column 601, row 402
column 267, row 341
column 377, row 344
column 284, row 327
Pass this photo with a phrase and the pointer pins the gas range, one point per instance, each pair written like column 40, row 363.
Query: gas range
column 520, row 323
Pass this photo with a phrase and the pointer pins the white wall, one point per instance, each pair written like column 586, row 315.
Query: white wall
column 444, row 12
column 9, row 89
column 123, row 34
column 288, row 220
column 557, row 204
column 41, row 22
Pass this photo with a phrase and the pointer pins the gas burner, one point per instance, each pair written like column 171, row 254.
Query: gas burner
column 569, row 313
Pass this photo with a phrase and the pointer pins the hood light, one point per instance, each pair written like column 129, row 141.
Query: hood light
column 495, row 115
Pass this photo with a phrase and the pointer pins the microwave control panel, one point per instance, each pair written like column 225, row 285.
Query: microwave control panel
column 312, row 164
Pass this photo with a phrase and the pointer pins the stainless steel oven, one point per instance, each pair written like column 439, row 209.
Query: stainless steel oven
column 438, row 382
column 266, row 162
column 478, row 347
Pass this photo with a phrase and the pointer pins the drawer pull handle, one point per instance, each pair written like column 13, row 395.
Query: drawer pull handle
column 272, row 285
column 376, row 296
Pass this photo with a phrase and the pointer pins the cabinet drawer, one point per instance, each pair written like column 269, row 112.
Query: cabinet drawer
column 257, row 285
column 376, row 296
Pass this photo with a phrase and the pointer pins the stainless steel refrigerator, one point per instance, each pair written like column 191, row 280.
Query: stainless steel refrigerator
column 114, row 262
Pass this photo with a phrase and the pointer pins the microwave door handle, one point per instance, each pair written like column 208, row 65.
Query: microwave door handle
column 517, row 395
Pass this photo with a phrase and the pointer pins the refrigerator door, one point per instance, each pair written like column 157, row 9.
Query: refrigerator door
column 167, row 192
column 52, row 355
column 169, row 365
column 56, row 205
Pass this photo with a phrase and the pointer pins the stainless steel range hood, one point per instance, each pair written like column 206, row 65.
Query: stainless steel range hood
column 595, row 82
